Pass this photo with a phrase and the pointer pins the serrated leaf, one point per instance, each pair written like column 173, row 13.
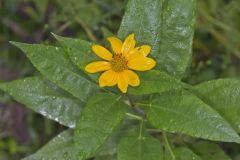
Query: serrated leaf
column 135, row 148
column 60, row 148
column 209, row 151
column 79, row 51
column 101, row 116
column 183, row 153
column 182, row 112
column 45, row 98
column 167, row 26
column 223, row 95
column 53, row 63
column 155, row 81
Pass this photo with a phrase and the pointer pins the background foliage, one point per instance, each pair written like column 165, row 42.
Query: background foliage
column 22, row 132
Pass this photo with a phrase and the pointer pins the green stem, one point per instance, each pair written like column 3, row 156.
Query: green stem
column 168, row 146
column 137, row 109
column 134, row 116
column 140, row 118
column 130, row 101
column 153, row 130
column 141, row 129
column 143, row 104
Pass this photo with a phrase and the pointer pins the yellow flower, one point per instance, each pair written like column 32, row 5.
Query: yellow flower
column 117, row 66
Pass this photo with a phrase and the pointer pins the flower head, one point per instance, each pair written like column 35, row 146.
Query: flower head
column 117, row 68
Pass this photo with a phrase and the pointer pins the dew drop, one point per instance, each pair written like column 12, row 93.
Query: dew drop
column 56, row 119
column 72, row 125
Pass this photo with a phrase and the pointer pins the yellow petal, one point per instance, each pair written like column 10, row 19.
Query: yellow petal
column 128, row 44
column 97, row 66
column 102, row 52
column 116, row 44
column 144, row 50
column 132, row 54
column 108, row 78
column 141, row 63
column 122, row 82
column 114, row 80
column 132, row 78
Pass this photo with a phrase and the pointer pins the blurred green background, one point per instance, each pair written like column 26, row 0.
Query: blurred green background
column 216, row 51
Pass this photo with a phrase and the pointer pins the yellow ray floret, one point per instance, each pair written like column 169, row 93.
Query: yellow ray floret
column 117, row 69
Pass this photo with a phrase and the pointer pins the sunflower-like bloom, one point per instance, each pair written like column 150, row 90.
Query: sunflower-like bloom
column 117, row 68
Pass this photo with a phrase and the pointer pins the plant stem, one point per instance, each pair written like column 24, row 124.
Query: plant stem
column 143, row 104
column 153, row 130
column 130, row 101
column 168, row 146
column 141, row 130
column 134, row 116
column 137, row 109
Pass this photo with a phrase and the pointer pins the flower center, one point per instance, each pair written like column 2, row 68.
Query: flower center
column 119, row 63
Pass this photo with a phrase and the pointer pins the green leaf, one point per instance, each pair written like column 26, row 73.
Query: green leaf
column 127, row 127
column 97, row 122
column 61, row 147
column 53, row 63
column 185, row 154
column 182, row 112
column 209, row 151
column 155, row 82
column 135, row 148
column 45, row 98
column 223, row 95
column 166, row 25
column 182, row 153
column 79, row 51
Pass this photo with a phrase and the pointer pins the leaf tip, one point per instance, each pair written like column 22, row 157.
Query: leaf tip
column 14, row 43
column 17, row 44
column 54, row 35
